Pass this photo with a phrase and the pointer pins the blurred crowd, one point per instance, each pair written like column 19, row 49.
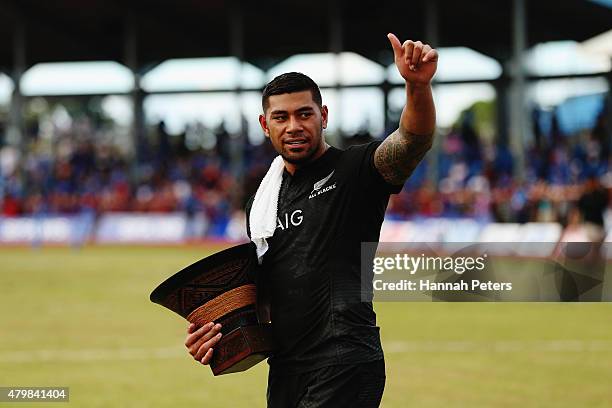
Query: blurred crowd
column 475, row 179
column 78, row 171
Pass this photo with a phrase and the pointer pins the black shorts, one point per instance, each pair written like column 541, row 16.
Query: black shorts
column 350, row 385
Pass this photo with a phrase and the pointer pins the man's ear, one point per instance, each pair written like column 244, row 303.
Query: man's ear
column 324, row 115
column 264, row 125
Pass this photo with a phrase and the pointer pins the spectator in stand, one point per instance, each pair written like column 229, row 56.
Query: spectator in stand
column 592, row 204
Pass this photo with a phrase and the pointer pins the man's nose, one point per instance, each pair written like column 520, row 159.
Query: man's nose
column 294, row 125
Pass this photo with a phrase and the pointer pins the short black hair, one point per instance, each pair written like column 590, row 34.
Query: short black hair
column 288, row 83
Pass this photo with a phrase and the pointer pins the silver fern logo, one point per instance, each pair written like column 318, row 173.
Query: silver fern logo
column 318, row 189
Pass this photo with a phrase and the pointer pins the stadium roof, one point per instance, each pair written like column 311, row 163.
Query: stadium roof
column 269, row 31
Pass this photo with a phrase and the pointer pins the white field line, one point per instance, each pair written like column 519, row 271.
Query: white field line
column 499, row 346
column 92, row 355
column 390, row 347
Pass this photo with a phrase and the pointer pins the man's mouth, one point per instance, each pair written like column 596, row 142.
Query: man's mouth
column 296, row 143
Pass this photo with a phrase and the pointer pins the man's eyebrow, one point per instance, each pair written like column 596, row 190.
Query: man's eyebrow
column 299, row 110
column 277, row 112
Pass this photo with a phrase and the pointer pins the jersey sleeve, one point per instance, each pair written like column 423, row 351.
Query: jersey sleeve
column 369, row 175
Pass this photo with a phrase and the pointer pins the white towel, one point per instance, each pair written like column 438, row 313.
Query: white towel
column 262, row 219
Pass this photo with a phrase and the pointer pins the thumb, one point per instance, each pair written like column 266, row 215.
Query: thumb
column 396, row 44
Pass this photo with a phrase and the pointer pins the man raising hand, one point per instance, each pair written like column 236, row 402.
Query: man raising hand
column 403, row 149
column 330, row 200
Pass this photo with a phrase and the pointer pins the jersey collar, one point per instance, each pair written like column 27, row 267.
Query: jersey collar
column 319, row 163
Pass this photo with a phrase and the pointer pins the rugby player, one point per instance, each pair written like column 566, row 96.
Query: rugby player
column 329, row 352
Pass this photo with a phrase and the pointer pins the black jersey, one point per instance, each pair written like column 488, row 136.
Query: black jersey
column 312, row 267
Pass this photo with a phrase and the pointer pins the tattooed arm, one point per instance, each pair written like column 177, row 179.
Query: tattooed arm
column 402, row 150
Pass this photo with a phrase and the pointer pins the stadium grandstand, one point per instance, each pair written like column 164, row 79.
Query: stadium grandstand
column 67, row 164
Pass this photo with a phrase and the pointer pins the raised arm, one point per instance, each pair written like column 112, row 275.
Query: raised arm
column 398, row 155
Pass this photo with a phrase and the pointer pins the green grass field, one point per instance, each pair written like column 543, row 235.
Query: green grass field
column 82, row 318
